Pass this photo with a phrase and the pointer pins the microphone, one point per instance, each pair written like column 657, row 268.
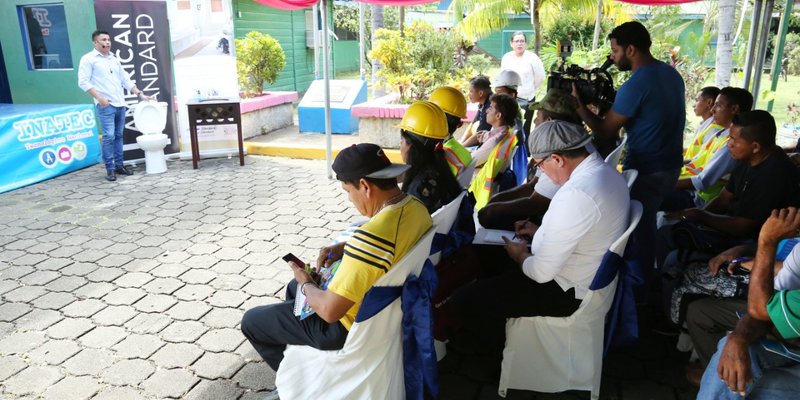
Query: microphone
column 607, row 64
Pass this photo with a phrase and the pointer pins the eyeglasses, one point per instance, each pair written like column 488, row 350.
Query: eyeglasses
column 518, row 41
column 536, row 166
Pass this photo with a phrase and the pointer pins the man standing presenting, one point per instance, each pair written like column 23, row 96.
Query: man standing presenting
column 101, row 75
column 531, row 72
column 652, row 108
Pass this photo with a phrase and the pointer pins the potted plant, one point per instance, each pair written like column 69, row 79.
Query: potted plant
column 259, row 60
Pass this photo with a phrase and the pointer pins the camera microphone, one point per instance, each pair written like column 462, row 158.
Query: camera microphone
column 607, row 64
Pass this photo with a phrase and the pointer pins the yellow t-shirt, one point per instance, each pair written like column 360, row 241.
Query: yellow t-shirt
column 374, row 248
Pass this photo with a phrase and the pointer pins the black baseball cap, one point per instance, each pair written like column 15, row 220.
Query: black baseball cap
column 365, row 160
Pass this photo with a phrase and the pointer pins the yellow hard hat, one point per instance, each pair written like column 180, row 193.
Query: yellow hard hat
column 451, row 100
column 425, row 119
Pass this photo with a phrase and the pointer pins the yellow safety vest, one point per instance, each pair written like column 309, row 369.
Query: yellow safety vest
column 704, row 155
column 481, row 185
column 697, row 143
column 456, row 155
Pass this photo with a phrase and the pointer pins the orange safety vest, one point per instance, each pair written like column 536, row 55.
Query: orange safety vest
column 481, row 185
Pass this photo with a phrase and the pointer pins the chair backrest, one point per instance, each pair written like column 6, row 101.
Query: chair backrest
column 613, row 158
column 465, row 177
column 634, row 216
column 443, row 220
column 411, row 263
column 630, row 176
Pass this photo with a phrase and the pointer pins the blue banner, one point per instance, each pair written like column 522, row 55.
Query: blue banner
column 40, row 141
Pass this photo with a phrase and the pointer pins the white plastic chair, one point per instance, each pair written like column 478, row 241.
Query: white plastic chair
column 613, row 158
column 465, row 177
column 630, row 177
column 370, row 365
column 554, row 354
column 443, row 219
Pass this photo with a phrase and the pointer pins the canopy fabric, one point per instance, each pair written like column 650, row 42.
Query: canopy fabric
column 657, row 2
column 298, row 4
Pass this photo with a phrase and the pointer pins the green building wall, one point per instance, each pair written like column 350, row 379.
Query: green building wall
column 46, row 86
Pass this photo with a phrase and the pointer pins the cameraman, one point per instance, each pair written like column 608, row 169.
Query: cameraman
column 651, row 107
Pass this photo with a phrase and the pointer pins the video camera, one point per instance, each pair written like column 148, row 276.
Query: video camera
column 595, row 86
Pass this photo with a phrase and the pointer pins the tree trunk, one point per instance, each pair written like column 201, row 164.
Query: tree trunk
column 537, row 32
column 597, row 25
column 724, row 64
column 377, row 23
column 402, row 21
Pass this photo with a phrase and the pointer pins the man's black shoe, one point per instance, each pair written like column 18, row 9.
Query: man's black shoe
column 111, row 176
column 124, row 171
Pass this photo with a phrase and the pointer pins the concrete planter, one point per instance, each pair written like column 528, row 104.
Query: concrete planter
column 378, row 118
column 266, row 113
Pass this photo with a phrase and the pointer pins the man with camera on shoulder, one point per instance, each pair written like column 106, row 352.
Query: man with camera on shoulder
column 652, row 109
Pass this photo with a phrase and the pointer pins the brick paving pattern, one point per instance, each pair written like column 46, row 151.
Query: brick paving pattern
column 135, row 289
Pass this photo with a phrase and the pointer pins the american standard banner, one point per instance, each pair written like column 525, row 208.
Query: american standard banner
column 140, row 38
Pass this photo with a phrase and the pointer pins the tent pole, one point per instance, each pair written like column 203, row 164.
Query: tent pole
column 762, row 50
column 777, row 62
column 327, row 86
column 361, row 40
column 748, row 62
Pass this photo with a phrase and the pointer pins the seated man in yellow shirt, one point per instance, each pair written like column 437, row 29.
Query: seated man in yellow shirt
column 396, row 223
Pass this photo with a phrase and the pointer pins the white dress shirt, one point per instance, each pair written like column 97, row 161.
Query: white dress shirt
column 105, row 75
column 587, row 214
column 530, row 70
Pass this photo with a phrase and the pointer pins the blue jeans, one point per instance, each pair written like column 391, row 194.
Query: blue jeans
column 774, row 377
column 649, row 190
column 112, row 119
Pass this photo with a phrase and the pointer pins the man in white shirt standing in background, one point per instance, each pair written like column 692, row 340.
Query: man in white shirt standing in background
column 530, row 69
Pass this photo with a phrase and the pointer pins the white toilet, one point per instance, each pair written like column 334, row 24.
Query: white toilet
column 150, row 118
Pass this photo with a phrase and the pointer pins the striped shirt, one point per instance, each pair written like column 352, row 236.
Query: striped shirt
column 374, row 247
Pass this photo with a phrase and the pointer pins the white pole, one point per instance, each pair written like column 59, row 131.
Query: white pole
column 361, row 40
column 315, row 33
column 327, row 86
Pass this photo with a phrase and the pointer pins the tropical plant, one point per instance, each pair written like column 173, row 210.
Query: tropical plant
column 259, row 59
column 792, row 53
column 577, row 27
column 416, row 63
column 480, row 63
column 479, row 18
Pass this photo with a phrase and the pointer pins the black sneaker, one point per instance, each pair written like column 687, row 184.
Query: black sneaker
column 110, row 175
column 124, row 171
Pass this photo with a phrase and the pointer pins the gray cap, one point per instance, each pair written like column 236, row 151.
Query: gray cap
column 556, row 136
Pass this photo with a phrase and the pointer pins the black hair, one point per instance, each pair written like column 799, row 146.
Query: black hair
column 97, row 33
column 632, row 33
column 757, row 126
column 452, row 123
column 506, row 106
column 561, row 117
column 738, row 96
column 424, row 156
column 382, row 184
column 710, row 92
column 481, row 82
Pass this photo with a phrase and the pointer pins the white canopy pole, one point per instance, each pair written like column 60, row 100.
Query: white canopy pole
column 361, row 40
column 327, row 86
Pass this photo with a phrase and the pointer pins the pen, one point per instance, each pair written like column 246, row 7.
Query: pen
column 527, row 220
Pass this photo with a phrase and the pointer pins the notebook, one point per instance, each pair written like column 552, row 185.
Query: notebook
column 301, row 307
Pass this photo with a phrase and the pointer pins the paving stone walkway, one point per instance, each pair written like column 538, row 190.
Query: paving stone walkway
column 135, row 289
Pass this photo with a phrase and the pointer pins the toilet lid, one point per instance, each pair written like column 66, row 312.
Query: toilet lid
column 147, row 118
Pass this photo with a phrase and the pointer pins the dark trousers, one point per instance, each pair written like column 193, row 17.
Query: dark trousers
column 485, row 304
column 270, row 328
column 708, row 320
column 528, row 116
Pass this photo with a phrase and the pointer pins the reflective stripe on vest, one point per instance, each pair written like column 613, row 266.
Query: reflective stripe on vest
column 481, row 185
column 456, row 155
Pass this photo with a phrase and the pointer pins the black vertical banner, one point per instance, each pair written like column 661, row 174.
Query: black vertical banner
column 139, row 32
